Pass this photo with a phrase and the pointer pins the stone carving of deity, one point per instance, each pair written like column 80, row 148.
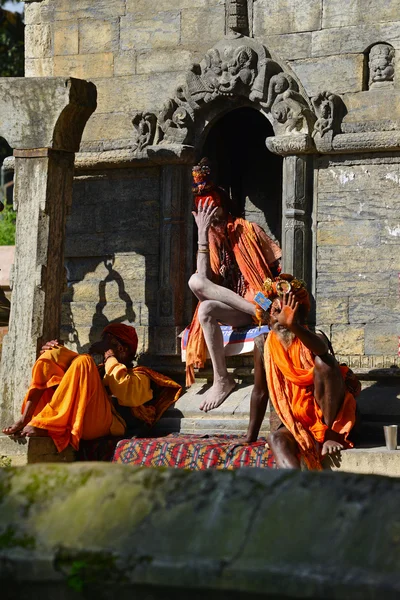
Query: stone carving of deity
column 381, row 65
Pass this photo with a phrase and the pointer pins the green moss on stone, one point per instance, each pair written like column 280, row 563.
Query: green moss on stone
column 10, row 538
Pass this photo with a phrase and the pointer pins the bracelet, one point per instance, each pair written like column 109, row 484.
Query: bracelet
column 203, row 251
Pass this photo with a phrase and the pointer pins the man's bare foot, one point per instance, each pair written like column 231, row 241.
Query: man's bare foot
column 30, row 431
column 218, row 393
column 331, row 447
column 15, row 429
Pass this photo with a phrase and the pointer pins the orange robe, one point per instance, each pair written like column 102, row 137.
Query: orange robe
column 75, row 404
column 254, row 252
column 290, row 378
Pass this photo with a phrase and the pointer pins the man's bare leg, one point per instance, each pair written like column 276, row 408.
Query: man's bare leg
column 329, row 392
column 205, row 289
column 211, row 312
column 17, row 428
column 284, row 448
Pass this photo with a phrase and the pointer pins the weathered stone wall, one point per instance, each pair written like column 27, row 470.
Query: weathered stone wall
column 100, row 531
column 358, row 257
column 137, row 52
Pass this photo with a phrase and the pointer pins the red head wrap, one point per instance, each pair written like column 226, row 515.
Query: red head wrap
column 124, row 333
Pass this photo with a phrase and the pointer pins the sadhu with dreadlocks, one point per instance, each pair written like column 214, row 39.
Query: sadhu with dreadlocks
column 312, row 395
column 70, row 398
column 234, row 258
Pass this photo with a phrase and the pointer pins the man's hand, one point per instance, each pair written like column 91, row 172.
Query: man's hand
column 50, row 345
column 204, row 217
column 288, row 314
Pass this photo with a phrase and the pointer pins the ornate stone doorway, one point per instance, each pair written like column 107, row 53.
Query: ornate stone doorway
column 251, row 174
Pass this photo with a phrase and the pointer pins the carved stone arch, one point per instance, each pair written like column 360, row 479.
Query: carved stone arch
column 236, row 69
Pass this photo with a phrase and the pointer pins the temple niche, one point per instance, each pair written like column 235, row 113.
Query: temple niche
column 381, row 66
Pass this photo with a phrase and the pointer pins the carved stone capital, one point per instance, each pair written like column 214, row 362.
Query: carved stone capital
column 67, row 104
column 287, row 145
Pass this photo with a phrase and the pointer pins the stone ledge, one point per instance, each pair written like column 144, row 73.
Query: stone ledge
column 116, row 530
column 367, row 461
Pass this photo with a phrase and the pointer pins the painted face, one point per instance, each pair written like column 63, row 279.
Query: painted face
column 274, row 313
column 198, row 176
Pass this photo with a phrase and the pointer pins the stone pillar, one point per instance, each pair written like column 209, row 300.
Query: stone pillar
column 45, row 122
column 296, row 217
column 176, row 246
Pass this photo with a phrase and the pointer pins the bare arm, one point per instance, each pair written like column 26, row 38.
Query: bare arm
column 203, row 218
column 259, row 398
column 288, row 318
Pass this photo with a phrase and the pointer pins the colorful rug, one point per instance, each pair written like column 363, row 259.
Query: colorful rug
column 194, row 452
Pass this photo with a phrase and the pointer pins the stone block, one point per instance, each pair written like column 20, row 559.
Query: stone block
column 81, row 219
column 125, row 242
column 356, row 38
column 84, row 66
column 115, row 95
column 97, row 36
column 365, row 177
column 81, row 9
column 154, row 61
column 381, row 309
column 128, row 265
column 332, row 310
column 355, row 12
column 348, row 339
column 338, row 73
column 361, row 232
column 373, row 105
column 355, row 260
column 360, row 204
column 286, row 16
column 382, row 338
column 391, row 233
column 91, row 244
column 39, row 67
column 361, row 284
column 66, row 38
column 159, row 31
column 124, row 63
column 146, row 7
column 115, row 288
column 143, row 220
column 108, row 126
column 38, row 41
column 39, row 12
column 202, row 26
column 289, row 46
column 86, row 314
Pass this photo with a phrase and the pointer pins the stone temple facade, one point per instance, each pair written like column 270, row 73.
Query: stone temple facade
column 296, row 102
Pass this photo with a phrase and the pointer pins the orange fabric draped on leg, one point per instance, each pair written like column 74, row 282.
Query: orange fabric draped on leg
column 290, row 377
column 79, row 407
column 254, row 252
column 168, row 392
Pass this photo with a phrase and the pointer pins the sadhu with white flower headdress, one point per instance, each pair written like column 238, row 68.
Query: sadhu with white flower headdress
column 313, row 396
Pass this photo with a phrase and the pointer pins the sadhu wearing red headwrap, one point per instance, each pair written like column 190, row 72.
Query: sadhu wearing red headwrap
column 234, row 258
column 70, row 398
column 313, row 396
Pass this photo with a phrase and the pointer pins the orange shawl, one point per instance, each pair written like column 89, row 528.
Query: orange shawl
column 290, row 377
column 247, row 247
column 168, row 395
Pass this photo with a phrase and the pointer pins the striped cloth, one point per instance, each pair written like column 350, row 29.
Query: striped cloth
column 194, row 452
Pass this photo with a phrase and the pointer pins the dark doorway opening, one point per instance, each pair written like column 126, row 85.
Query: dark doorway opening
column 243, row 165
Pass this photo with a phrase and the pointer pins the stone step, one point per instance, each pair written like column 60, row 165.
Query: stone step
column 367, row 461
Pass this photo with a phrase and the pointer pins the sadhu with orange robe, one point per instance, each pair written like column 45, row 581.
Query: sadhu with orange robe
column 313, row 396
column 69, row 400
column 234, row 258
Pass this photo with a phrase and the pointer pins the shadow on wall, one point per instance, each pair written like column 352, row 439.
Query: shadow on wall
column 111, row 255
column 99, row 319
